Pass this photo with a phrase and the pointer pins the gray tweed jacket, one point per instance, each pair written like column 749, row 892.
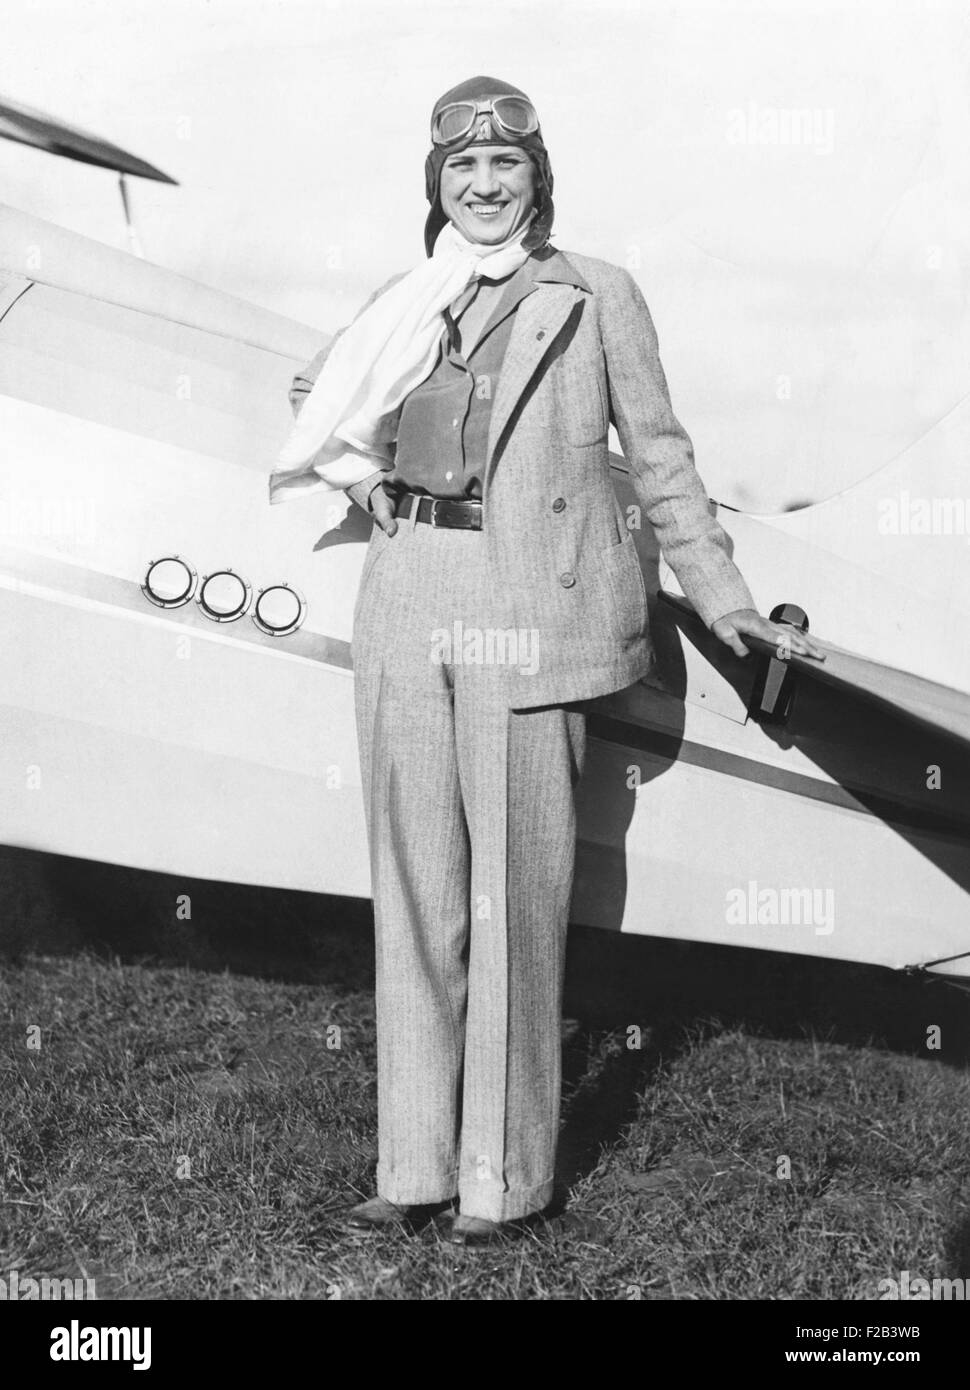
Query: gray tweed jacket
column 582, row 354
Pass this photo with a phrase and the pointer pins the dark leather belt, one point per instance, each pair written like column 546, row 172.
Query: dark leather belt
column 451, row 512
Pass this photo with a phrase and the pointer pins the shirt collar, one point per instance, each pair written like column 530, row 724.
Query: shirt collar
column 547, row 266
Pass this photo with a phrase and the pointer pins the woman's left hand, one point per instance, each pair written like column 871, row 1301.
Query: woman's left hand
column 745, row 621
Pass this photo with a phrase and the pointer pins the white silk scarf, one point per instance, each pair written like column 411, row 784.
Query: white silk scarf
column 348, row 421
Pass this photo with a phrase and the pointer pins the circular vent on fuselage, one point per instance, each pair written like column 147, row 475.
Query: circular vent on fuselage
column 224, row 596
column 169, row 582
column 280, row 609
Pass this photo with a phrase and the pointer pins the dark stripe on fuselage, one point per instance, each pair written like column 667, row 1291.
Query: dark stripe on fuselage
column 860, row 800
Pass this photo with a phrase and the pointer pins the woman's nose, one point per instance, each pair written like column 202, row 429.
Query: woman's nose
column 485, row 183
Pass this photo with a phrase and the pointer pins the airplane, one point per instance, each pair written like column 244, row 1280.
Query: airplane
column 177, row 688
column 26, row 126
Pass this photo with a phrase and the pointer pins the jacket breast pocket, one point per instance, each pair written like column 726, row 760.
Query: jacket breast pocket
column 582, row 409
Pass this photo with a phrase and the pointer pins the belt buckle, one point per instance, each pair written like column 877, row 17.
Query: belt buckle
column 434, row 512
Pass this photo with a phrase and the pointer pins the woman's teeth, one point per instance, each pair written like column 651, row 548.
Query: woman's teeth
column 485, row 209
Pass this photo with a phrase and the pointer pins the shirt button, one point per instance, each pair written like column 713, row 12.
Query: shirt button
column 540, row 335
column 567, row 580
column 449, row 475
column 454, row 423
column 559, row 505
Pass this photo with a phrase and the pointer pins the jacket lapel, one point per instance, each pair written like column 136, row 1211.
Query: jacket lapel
column 542, row 312
column 523, row 282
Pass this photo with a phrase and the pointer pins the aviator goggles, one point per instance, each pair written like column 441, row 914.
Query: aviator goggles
column 505, row 115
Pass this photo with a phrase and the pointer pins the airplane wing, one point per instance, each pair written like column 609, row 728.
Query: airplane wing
column 938, row 707
column 29, row 127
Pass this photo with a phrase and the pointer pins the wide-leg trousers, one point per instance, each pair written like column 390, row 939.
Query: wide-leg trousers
column 471, row 826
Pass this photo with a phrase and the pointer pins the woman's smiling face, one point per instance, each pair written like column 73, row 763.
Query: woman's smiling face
column 488, row 191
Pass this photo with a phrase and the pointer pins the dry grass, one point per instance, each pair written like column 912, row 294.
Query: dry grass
column 153, row 1052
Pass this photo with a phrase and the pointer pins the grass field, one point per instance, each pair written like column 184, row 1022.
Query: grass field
column 191, row 1131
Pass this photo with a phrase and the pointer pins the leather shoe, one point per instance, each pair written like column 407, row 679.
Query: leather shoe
column 475, row 1233
column 379, row 1215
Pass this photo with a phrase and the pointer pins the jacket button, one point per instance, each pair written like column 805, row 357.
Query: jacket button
column 540, row 335
column 567, row 580
column 559, row 505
